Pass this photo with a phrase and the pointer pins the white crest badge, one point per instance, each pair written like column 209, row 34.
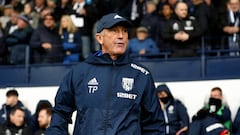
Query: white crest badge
column 127, row 83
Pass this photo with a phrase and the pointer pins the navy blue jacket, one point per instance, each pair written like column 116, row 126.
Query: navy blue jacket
column 5, row 112
column 175, row 113
column 236, row 123
column 206, row 126
column 110, row 97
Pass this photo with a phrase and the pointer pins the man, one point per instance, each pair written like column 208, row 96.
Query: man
column 46, row 43
column 12, row 101
column 15, row 125
column 112, row 95
column 229, row 24
column 182, row 32
column 175, row 113
column 214, row 114
column 19, row 40
column 44, row 118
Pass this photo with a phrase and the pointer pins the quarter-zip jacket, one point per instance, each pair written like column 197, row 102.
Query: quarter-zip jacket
column 110, row 97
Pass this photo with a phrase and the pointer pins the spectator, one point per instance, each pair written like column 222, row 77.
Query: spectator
column 230, row 26
column 31, row 14
column 44, row 118
column 7, row 11
column 42, row 104
column 88, row 13
column 19, row 40
column 175, row 113
column 12, row 101
column 46, row 43
column 39, row 5
column 71, row 39
column 165, row 15
column 16, row 124
column 204, row 123
column 125, row 105
column 142, row 44
column 217, row 108
column 63, row 7
column 183, row 33
column 207, row 18
column 152, row 25
column 236, row 123
column 51, row 3
column 12, row 23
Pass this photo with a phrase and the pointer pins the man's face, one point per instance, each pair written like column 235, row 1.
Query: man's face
column 17, row 118
column 49, row 21
column 113, row 41
column 216, row 94
column 43, row 119
column 181, row 10
column 234, row 5
column 11, row 100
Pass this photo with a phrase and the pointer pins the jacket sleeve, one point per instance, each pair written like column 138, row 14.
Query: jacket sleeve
column 152, row 120
column 63, row 109
column 182, row 113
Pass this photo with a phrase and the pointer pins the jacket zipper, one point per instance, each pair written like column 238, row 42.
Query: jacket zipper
column 109, row 94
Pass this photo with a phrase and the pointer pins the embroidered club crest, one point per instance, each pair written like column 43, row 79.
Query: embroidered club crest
column 127, row 83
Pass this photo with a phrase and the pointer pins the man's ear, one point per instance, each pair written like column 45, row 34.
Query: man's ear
column 99, row 38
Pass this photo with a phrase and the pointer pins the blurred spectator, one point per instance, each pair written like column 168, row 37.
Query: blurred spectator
column 165, row 15
column 16, row 124
column 3, row 48
column 230, row 26
column 12, row 23
column 71, row 40
column 46, row 43
column 152, row 25
column 216, row 108
column 63, row 7
column 39, row 5
column 236, row 123
column 7, row 11
column 88, row 13
column 182, row 32
column 142, row 44
column 42, row 104
column 134, row 11
column 205, row 124
column 17, row 5
column 31, row 14
column 43, row 13
column 12, row 101
column 51, row 3
column 207, row 17
column 44, row 119
column 18, row 40
column 175, row 112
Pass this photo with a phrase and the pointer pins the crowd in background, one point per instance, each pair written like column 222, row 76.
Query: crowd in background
column 213, row 118
column 63, row 31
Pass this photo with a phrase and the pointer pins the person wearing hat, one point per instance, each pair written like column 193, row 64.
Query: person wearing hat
column 111, row 94
column 18, row 40
column 142, row 45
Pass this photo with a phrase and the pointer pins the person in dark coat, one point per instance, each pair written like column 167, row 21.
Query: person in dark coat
column 42, row 104
column 16, row 124
column 175, row 113
column 18, row 40
column 182, row 32
column 236, row 123
column 46, row 43
column 12, row 101
column 111, row 94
